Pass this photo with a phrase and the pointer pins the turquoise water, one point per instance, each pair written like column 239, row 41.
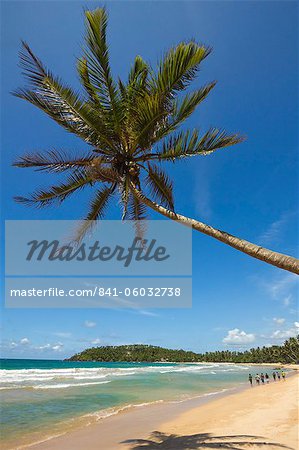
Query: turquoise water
column 43, row 398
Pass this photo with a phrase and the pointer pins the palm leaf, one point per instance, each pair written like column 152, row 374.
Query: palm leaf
column 53, row 161
column 136, row 211
column 167, row 122
column 148, row 116
column 175, row 72
column 183, row 108
column 190, row 144
column 139, row 68
column 97, row 57
column 82, row 68
column 100, row 171
column 178, row 68
column 60, row 102
column 160, row 186
column 58, row 193
column 97, row 209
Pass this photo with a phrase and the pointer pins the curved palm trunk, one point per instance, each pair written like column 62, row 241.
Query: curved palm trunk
column 280, row 260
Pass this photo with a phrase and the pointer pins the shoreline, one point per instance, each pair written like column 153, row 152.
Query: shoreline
column 137, row 422
column 100, row 418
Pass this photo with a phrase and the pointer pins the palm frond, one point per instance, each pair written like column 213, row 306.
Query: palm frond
column 160, row 186
column 149, row 116
column 53, row 161
column 82, row 68
column 190, row 144
column 97, row 57
column 131, row 93
column 166, row 122
column 100, row 171
column 139, row 68
column 136, row 211
column 176, row 71
column 58, row 193
column 60, row 102
column 183, row 108
column 96, row 211
column 178, row 68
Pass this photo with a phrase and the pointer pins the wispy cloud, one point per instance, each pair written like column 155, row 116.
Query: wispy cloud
column 276, row 228
column 278, row 320
column 287, row 300
column 89, row 324
column 147, row 313
column 282, row 286
column 25, row 345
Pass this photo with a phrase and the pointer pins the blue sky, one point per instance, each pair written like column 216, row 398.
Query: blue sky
column 249, row 190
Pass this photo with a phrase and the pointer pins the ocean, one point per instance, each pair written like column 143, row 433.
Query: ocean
column 40, row 398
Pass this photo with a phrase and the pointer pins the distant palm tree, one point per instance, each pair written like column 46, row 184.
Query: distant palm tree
column 131, row 129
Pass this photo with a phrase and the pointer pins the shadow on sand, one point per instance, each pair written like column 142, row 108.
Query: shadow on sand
column 162, row 441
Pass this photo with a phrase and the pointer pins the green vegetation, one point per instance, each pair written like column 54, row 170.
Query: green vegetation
column 288, row 353
column 131, row 127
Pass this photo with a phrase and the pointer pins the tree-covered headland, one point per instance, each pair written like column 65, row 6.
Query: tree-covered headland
column 288, row 353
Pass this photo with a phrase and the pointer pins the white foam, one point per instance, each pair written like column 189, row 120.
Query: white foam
column 67, row 385
column 69, row 376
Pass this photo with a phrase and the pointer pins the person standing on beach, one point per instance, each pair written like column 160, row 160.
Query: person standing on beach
column 257, row 379
column 250, row 379
column 283, row 374
column 274, row 376
column 267, row 378
column 278, row 376
column 263, row 378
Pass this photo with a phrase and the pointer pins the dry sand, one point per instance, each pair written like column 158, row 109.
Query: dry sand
column 262, row 417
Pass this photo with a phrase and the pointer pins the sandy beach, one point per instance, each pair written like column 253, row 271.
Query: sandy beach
column 262, row 416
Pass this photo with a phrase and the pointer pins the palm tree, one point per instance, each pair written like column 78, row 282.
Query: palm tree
column 131, row 128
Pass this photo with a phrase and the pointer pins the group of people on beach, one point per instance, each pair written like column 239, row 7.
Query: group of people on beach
column 264, row 378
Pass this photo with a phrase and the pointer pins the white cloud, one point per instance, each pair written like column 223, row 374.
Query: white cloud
column 89, row 324
column 278, row 320
column 23, row 341
column 48, row 347
column 96, row 341
column 286, row 334
column 278, row 334
column 57, row 347
column 43, row 347
column 147, row 313
column 236, row 337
